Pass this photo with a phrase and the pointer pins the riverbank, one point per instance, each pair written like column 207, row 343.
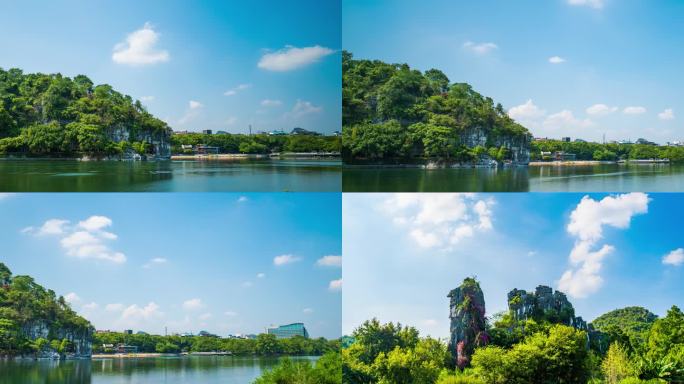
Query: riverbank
column 241, row 156
column 596, row 162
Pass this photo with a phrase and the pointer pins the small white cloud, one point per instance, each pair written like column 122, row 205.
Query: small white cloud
column 596, row 4
column 675, row 257
column 114, row 307
column 480, row 48
column 556, row 60
column 90, row 306
column 308, row 311
column 194, row 109
column 192, row 304
column 290, row 58
column 52, row 227
column 285, row 259
column 140, row 48
column 329, row 261
column 303, row 108
column 271, row 103
column 195, row 104
column 335, row 285
column 634, row 110
column 72, row 298
column 526, row 112
column 95, row 223
column 235, row 90
column 242, row 199
column 261, row 275
column 155, row 261
column 566, row 119
column 600, row 110
column 247, row 284
column 135, row 313
column 667, row 114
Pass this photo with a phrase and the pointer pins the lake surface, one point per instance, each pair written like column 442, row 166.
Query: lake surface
column 595, row 178
column 168, row 370
column 244, row 175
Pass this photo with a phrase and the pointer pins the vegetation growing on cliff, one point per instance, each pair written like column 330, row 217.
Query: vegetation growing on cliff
column 24, row 305
column 43, row 114
column 263, row 345
column 392, row 112
column 543, row 353
column 260, row 143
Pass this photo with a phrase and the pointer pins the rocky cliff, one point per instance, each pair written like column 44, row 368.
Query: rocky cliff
column 37, row 323
column 468, row 323
column 544, row 304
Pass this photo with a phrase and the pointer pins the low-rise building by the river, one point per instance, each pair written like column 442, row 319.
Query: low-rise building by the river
column 289, row 330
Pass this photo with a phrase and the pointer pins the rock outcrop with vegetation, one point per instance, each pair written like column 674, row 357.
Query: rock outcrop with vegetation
column 56, row 116
column 392, row 113
column 468, row 321
column 34, row 321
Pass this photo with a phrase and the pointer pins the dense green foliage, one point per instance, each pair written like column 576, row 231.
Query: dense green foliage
column 607, row 152
column 327, row 370
column 261, row 143
column 263, row 345
column 393, row 112
column 55, row 115
column 534, row 352
column 23, row 304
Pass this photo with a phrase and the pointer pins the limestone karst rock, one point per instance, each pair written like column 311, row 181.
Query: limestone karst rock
column 468, row 323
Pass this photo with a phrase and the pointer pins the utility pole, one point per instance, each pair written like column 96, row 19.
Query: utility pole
column 250, row 129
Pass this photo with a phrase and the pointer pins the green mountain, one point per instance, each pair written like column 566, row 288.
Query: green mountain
column 629, row 320
column 34, row 321
column 391, row 112
column 53, row 115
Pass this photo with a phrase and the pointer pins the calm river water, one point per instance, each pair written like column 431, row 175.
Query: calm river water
column 597, row 178
column 167, row 370
column 170, row 176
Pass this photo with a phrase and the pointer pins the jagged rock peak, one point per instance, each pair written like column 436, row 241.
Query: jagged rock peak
column 468, row 322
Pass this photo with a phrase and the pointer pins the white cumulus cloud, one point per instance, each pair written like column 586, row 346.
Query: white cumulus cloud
column 192, row 304
column 601, row 110
column 480, row 48
column 556, row 60
column 335, row 285
column 587, row 222
column 285, row 259
column 596, row 4
column 235, row 90
column 667, row 114
column 566, row 119
column 329, row 261
column 271, row 103
column 439, row 220
column 140, row 48
column 72, row 298
column 155, row 261
column 634, row 110
column 675, row 257
column 290, row 58
column 526, row 112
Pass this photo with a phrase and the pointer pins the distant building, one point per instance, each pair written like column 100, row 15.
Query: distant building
column 277, row 132
column 181, row 132
column 128, row 331
column 186, row 147
column 206, row 334
column 124, row 348
column 565, row 139
column 206, row 131
column 206, row 149
column 337, row 133
column 564, row 156
column 675, row 143
column 288, row 331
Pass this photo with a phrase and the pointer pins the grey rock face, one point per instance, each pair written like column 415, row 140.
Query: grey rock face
column 544, row 304
column 518, row 146
column 468, row 324
column 81, row 339
column 160, row 141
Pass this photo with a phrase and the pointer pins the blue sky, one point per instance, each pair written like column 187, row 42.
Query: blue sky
column 169, row 53
column 226, row 263
column 404, row 252
column 578, row 68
